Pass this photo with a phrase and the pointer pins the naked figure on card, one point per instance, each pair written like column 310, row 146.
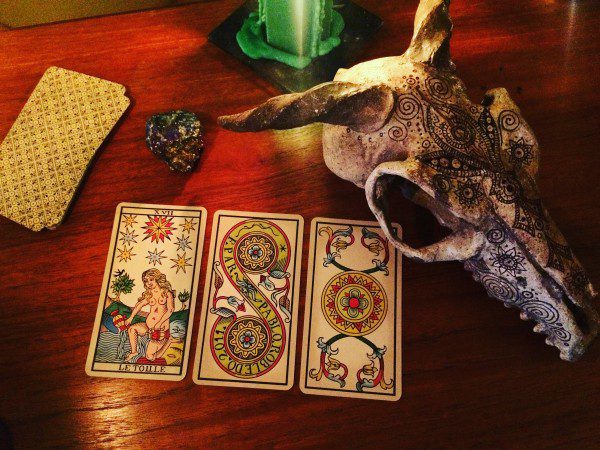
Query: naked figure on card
column 159, row 296
column 145, row 334
column 143, row 323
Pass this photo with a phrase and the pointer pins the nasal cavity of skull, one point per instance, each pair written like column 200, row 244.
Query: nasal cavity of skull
column 416, row 220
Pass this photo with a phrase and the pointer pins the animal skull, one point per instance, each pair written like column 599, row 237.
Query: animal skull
column 473, row 166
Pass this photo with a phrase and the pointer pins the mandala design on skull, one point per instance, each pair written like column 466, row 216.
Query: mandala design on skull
column 508, row 261
column 578, row 280
column 519, row 152
column 468, row 193
column 469, row 149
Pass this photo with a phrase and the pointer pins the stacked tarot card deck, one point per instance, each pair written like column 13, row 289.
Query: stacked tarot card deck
column 51, row 144
column 249, row 315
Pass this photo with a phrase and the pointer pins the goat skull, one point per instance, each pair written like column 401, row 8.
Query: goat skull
column 473, row 166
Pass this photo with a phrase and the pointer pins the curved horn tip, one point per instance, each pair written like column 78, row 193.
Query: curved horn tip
column 430, row 43
column 231, row 122
column 229, row 126
column 236, row 122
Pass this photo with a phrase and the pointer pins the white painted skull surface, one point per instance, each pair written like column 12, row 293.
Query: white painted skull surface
column 473, row 166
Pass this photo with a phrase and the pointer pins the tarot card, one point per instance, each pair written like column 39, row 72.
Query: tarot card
column 352, row 320
column 146, row 309
column 247, row 335
column 51, row 145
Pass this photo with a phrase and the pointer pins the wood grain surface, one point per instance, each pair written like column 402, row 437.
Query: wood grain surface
column 474, row 375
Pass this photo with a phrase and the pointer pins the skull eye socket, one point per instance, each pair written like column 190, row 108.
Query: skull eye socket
column 404, row 194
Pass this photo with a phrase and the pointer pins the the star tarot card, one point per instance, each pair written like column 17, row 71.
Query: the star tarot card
column 146, row 308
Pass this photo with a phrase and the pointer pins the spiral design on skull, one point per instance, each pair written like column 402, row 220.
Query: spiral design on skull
column 561, row 334
column 438, row 88
column 398, row 132
column 442, row 183
column 408, row 107
column 496, row 236
column 509, row 120
column 527, row 295
column 499, row 288
column 540, row 311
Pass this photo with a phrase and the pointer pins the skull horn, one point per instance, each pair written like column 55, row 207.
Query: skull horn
column 432, row 32
column 362, row 108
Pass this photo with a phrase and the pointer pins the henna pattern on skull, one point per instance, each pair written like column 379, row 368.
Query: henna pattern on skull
column 520, row 152
column 473, row 166
column 468, row 147
column 508, row 260
column 505, row 278
column 468, row 193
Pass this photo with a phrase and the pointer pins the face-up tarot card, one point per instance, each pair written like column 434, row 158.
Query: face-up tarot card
column 247, row 335
column 352, row 320
column 146, row 309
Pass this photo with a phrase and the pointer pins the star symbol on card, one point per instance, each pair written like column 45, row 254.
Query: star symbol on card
column 155, row 257
column 188, row 225
column 125, row 254
column 129, row 220
column 128, row 237
column 181, row 262
column 158, row 228
column 183, row 242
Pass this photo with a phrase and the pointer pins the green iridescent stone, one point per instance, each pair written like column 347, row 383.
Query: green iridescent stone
column 176, row 138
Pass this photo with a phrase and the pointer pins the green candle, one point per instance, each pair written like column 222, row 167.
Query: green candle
column 291, row 31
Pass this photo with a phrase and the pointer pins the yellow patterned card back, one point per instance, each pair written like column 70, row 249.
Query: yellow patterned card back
column 51, row 144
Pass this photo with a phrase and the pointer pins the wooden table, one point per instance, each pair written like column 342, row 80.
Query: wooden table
column 474, row 375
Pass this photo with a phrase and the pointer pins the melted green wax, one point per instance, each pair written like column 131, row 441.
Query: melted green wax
column 279, row 33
